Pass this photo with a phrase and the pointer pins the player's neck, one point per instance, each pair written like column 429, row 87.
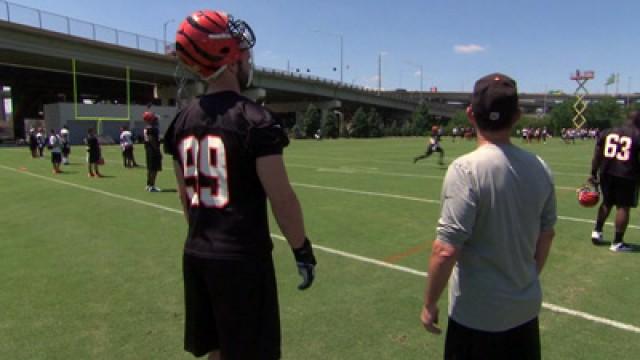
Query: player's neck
column 226, row 82
column 490, row 137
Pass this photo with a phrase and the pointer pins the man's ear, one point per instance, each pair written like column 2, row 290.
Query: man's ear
column 471, row 116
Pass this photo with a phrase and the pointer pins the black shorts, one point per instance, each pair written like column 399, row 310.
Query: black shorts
column 618, row 191
column 66, row 150
column 56, row 158
column 93, row 157
column 521, row 342
column 231, row 306
column 154, row 160
column 128, row 152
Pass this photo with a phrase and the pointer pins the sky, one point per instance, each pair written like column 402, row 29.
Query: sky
column 537, row 42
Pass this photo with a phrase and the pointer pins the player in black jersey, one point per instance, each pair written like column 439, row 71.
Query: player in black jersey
column 227, row 153
column 433, row 146
column 152, row 149
column 616, row 168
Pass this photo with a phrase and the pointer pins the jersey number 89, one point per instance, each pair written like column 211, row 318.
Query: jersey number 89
column 617, row 146
column 205, row 158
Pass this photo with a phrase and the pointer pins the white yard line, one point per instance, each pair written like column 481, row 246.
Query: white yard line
column 548, row 306
column 431, row 201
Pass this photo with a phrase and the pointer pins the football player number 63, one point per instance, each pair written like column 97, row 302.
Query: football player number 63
column 206, row 158
column 617, row 146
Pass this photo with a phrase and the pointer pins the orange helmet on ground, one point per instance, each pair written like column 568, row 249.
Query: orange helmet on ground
column 588, row 195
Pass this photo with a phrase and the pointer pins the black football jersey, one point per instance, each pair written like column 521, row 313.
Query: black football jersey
column 151, row 138
column 216, row 140
column 618, row 150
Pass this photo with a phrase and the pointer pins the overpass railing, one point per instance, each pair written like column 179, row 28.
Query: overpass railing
column 44, row 20
column 24, row 15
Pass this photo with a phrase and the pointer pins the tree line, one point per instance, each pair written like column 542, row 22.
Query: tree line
column 364, row 123
column 369, row 123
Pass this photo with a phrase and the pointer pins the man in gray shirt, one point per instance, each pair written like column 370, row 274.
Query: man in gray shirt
column 494, row 233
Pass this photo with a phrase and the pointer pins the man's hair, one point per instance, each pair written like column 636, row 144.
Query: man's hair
column 494, row 102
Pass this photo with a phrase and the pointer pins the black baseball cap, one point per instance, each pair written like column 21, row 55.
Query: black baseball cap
column 494, row 101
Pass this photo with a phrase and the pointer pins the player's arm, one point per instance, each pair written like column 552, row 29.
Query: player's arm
column 182, row 193
column 443, row 258
column 288, row 213
column 543, row 247
column 597, row 160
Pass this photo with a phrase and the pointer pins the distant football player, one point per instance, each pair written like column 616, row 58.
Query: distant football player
column 33, row 143
column 55, row 148
column 126, row 145
column 227, row 153
column 454, row 133
column 41, row 141
column 93, row 153
column 433, row 146
column 616, row 168
column 66, row 144
column 152, row 150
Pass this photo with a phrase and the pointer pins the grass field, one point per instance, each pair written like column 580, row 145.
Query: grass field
column 91, row 268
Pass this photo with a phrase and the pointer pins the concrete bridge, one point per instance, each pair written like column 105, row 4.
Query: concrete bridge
column 33, row 59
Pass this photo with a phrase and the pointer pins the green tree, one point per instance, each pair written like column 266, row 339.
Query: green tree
column 330, row 127
column 604, row 114
column 420, row 119
column 311, row 121
column 375, row 123
column 458, row 120
column 561, row 116
column 360, row 127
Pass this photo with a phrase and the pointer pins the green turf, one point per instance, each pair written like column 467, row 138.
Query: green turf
column 96, row 275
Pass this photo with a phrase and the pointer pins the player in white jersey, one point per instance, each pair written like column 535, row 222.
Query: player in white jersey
column 41, row 141
column 55, row 147
column 126, row 144
column 66, row 144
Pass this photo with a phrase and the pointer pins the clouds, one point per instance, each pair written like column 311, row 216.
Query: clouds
column 467, row 49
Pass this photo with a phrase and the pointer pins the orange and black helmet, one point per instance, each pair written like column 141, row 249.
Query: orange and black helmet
column 208, row 40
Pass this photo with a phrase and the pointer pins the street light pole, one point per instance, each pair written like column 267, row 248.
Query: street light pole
column 164, row 33
column 341, row 56
column 379, row 73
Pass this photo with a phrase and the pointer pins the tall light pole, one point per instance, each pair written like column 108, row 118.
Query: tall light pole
column 380, row 55
column 419, row 67
column 164, row 33
column 341, row 39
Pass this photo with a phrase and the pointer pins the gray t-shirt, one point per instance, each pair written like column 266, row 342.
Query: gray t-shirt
column 496, row 201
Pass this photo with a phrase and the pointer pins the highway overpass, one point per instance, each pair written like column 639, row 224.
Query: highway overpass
column 36, row 64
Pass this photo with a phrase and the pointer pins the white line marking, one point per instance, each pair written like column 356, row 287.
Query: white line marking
column 430, row 201
column 370, row 193
column 548, row 306
column 106, row 193
column 348, row 170
column 407, row 162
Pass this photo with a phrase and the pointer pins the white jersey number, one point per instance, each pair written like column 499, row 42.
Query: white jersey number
column 205, row 158
column 617, row 146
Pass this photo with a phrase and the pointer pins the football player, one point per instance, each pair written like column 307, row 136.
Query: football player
column 41, row 141
column 616, row 168
column 126, row 144
column 433, row 146
column 33, row 143
column 93, row 153
column 66, row 145
column 227, row 153
column 55, row 147
column 152, row 150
